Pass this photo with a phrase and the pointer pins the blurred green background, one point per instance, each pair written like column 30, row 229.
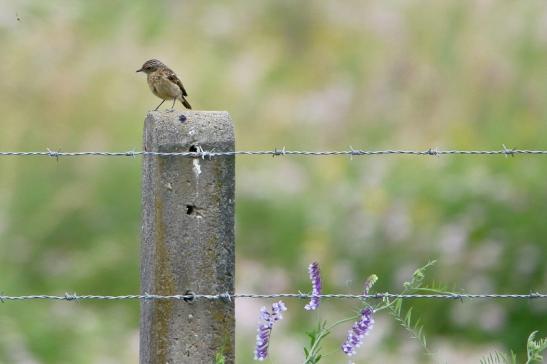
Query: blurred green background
column 308, row 75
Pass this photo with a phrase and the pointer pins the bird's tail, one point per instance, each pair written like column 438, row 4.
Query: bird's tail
column 185, row 102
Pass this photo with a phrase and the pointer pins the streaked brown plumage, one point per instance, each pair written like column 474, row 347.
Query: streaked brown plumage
column 164, row 83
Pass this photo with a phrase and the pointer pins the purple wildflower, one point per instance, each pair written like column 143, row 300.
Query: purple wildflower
column 315, row 278
column 359, row 330
column 265, row 326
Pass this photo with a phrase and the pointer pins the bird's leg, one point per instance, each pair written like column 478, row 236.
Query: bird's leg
column 159, row 105
column 173, row 106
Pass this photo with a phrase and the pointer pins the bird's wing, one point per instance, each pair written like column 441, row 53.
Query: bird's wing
column 171, row 76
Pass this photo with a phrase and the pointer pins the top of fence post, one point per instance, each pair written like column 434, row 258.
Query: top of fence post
column 187, row 238
column 166, row 130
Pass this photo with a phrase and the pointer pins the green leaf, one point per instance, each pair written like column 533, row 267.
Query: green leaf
column 535, row 348
column 498, row 358
column 312, row 353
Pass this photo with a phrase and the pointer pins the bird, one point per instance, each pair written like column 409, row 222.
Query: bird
column 164, row 83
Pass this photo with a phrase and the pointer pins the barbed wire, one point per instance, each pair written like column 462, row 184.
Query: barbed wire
column 275, row 152
column 189, row 297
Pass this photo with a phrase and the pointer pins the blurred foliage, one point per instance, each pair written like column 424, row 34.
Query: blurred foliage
column 305, row 75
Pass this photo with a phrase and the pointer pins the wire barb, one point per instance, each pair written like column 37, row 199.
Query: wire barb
column 277, row 152
column 508, row 152
column 131, row 153
column 353, row 152
column 200, row 153
column 226, row 297
column 433, row 151
column 53, row 154
column 71, row 297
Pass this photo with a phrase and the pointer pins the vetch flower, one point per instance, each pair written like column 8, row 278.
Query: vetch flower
column 358, row 331
column 277, row 309
column 265, row 326
column 262, row 341
column 315, row 278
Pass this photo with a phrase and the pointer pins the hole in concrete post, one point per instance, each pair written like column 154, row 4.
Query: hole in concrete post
column 193, row 210
column 188, row 293
column 190, row 209
column 193, row 149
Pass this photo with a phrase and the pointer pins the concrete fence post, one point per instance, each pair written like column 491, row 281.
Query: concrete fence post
column 187, row 239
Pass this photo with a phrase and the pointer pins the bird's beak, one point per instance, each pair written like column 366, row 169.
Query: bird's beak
column 139, row 70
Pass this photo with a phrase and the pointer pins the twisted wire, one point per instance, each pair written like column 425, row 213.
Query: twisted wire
column 189, row 297
column 275, row 152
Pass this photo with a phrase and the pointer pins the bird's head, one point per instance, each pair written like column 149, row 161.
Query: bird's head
column 150, row 66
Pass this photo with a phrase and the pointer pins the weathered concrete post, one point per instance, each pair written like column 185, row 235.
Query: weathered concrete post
column 187, row 238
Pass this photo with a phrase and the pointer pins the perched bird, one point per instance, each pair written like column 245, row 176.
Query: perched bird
column 164, row 83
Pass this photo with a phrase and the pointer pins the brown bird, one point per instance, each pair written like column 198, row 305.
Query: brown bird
column 164, row 83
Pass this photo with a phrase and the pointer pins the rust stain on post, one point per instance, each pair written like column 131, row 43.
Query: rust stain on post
column 187, row 239
column 163, row 281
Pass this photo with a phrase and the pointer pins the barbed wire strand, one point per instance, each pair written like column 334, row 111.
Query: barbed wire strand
column 229, row 296
column 275, row 152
